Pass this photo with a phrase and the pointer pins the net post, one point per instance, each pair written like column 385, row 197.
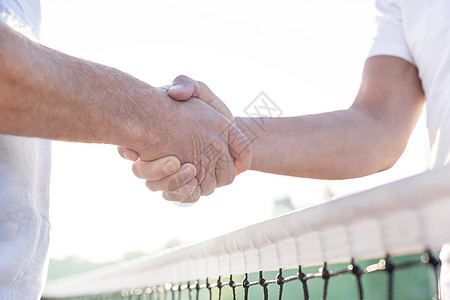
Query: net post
column 303, row 278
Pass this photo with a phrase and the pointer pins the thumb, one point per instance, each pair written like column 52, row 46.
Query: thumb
column 184, row 88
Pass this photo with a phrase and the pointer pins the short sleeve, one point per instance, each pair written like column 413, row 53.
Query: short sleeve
column 390, row 37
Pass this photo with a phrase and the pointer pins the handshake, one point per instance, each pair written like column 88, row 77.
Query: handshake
column 199, row 147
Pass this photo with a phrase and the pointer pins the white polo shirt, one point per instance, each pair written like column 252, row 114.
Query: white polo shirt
column 24, row 189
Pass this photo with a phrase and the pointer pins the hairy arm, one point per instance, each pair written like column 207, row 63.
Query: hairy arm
column 47, row 94
column 366, row 138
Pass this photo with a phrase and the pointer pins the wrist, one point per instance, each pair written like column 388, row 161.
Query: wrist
column 153, row 126
column 254, row 132
column 140, row 128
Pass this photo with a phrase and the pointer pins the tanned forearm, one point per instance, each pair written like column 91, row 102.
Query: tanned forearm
column 47, row 94
column 51, row 95
column 366, row 138
column 334, row 145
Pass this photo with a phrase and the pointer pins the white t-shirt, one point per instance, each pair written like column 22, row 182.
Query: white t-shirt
column 419, row 32
column 24, row 190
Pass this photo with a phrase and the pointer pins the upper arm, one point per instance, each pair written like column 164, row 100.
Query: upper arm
column 392, row 97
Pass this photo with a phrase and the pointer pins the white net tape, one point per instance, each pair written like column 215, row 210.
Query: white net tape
column 407, row 216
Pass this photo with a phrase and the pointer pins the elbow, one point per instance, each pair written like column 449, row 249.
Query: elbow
column 389, row 156
column 385, row 139
column 386, row 165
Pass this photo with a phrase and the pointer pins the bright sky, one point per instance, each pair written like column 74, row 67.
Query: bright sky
column 307, row 56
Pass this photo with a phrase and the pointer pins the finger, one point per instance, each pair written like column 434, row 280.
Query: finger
column 156, row 169
column 194, row 196
column 184, row 88
column 183, row 194
column 190, row 199
column 240, row 149
column 127, row 153
column 225, row 172
column 205, row 94
column 172, row 182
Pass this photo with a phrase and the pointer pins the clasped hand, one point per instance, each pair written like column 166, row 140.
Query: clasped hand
column 224, row 153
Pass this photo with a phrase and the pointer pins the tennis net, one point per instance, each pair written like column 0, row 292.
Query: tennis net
column 378, row 244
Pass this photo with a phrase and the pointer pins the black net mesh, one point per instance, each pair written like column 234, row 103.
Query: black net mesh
column 407, row 277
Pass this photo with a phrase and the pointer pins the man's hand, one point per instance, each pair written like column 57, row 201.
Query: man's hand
column 198, row 134
column 165, row 174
